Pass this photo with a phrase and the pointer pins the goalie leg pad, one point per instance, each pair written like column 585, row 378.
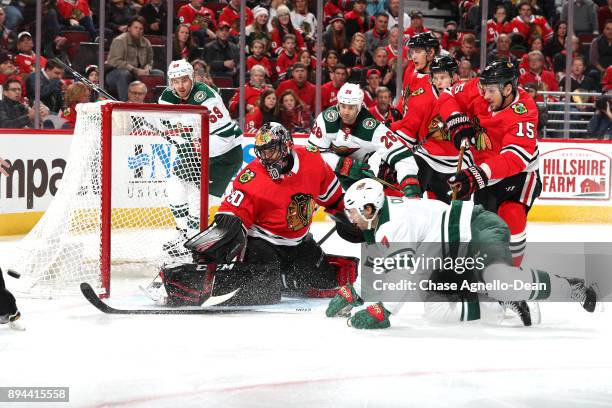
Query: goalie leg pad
column 187, row 284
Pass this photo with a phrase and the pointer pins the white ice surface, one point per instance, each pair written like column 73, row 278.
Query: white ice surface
column 307, row 360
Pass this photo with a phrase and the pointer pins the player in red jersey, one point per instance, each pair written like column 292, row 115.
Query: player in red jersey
column 267, row 217
column 500, row 121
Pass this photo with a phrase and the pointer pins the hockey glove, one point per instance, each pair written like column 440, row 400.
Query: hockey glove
column 410, row 187
column 467, row 181
column 460, row 127
column 387, row 173
column 350, row 170
column 373, row 317
column 343, row 302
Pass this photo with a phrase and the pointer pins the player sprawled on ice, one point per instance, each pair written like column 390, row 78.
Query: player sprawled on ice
column 8, row 306
column 499, row 121
column 439, row 228
column 348, row 136
column 265, row 221
column 225, row 146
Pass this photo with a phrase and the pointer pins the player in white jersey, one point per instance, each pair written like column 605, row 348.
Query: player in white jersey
column 8, row 306
column 348, row 135
column 458, row 230
column 225, row 152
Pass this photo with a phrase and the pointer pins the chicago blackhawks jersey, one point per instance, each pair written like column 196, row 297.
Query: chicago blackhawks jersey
column 418, row 102
column 280, row 211
column 506, row 139
column 224, row 132
column 360, row 140
column 536, row 26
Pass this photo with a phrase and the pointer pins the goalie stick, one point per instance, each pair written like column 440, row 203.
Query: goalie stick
column 92, row 297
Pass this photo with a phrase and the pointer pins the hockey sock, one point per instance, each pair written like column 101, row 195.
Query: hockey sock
column 513, row 284
column 515, row 216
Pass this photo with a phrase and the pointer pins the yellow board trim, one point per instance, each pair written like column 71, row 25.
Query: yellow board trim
column 571, row 214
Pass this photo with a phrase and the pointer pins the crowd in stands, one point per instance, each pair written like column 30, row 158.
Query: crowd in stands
column 359, row 44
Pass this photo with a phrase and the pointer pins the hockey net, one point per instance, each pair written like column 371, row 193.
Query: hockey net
column 111, row 212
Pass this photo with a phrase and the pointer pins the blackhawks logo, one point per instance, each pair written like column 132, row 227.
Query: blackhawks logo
column 519, row 108
column 437, row 129
column 199, row 96
column 483, row 142
column 331, row 115
column 417, row 92
column 299, row 212
column 369, row 123
column 246, row 176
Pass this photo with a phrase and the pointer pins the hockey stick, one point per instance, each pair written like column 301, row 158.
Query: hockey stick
column 86, row 81
column 381, row 181
column 326, row 236
column 461, row 153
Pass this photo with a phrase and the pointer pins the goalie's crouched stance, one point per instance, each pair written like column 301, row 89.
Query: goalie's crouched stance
column 265, row 223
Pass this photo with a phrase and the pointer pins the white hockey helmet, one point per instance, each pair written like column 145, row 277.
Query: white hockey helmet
column 350, row 94
column 362, row 193
column 178, row 69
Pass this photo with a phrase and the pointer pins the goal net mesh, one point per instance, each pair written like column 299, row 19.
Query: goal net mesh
column 148, row 148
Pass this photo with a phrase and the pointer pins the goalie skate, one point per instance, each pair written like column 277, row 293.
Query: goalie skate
column 156, row 292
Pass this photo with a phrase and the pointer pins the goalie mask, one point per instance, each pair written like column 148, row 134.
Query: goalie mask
column 178, row 69
column 362, row 193
column 273, row 145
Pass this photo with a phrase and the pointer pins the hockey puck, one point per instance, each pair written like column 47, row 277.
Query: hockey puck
column 14, row 274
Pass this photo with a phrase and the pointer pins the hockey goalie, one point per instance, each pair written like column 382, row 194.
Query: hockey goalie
column 260, row 240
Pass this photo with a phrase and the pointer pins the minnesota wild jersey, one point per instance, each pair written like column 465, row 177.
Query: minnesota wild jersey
column 225, row 134
column 360, row 140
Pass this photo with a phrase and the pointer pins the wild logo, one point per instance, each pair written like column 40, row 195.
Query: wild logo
column 312, row 149
column 300, row 211
column 199, row 96
column 437, row 129
column 519, row 108
column 483, row 142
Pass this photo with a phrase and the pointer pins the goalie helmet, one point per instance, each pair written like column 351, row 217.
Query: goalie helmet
column 273, row 145
column 178, row 69
column 350, row 94
column 362, row 193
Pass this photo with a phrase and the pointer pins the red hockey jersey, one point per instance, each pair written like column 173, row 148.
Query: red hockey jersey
column 329, row 95
column 537, row 26
column 187, row 14
column 281, row 211
column 507, row 139
column 284, row 62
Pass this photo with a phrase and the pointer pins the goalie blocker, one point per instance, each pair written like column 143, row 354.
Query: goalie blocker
column 267, row 270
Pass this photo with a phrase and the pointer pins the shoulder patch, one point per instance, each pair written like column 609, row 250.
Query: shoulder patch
column 519, row 108
column 246, row 176
column 311, row 148
column 330, row 115
column 369, row 123
column 417, row 92
column 199, row 96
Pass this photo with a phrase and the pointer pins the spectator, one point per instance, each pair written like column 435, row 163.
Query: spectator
column 416, row 24
column 600, row 125
column 304, row 20
column 258, row 58
column 201, row 72
column 382, row 65
column 13, row 113
column 585, row 16
column 183, row 45
column 532, row 89
column 393, row 7
column 93, row 75
column 495, row 25
column 76, row 93
column 8, row 39
column 14, row 13
column 137, row 92
column 231, row 15
column 468, row 51
column 130, row 56
column 357, row 21
column 253, row 89
column 449, row 39
column 53, row 44
column 392, row 47
column 26, row 57
column 601, row 49
column 560, row 58
column 8, row 69
column 382, row 110
column 155, row 13
column 537, row 74
column 578, row 79
column 329, row 90
column 335, row 36
column 357, row 56
column 374, row 7
column 222, row 55
column 310, row 63
column 330, row 61
column 536, row 45
column 258, row 30
column 274, row 5
column 300, row 86
column 557, row 43
column 333, row 8
column 529, row 25
column 283, row 28
column 51, row 86
column 199, row 19
column 119, row 15
column 287, row 57
column 264, row 112
column 292, row 113
column 373, row 79
column 606, row 82
column 77, row 15
column 604, row 14
column 502, row 51
column 378, row 36
column 465, row 71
